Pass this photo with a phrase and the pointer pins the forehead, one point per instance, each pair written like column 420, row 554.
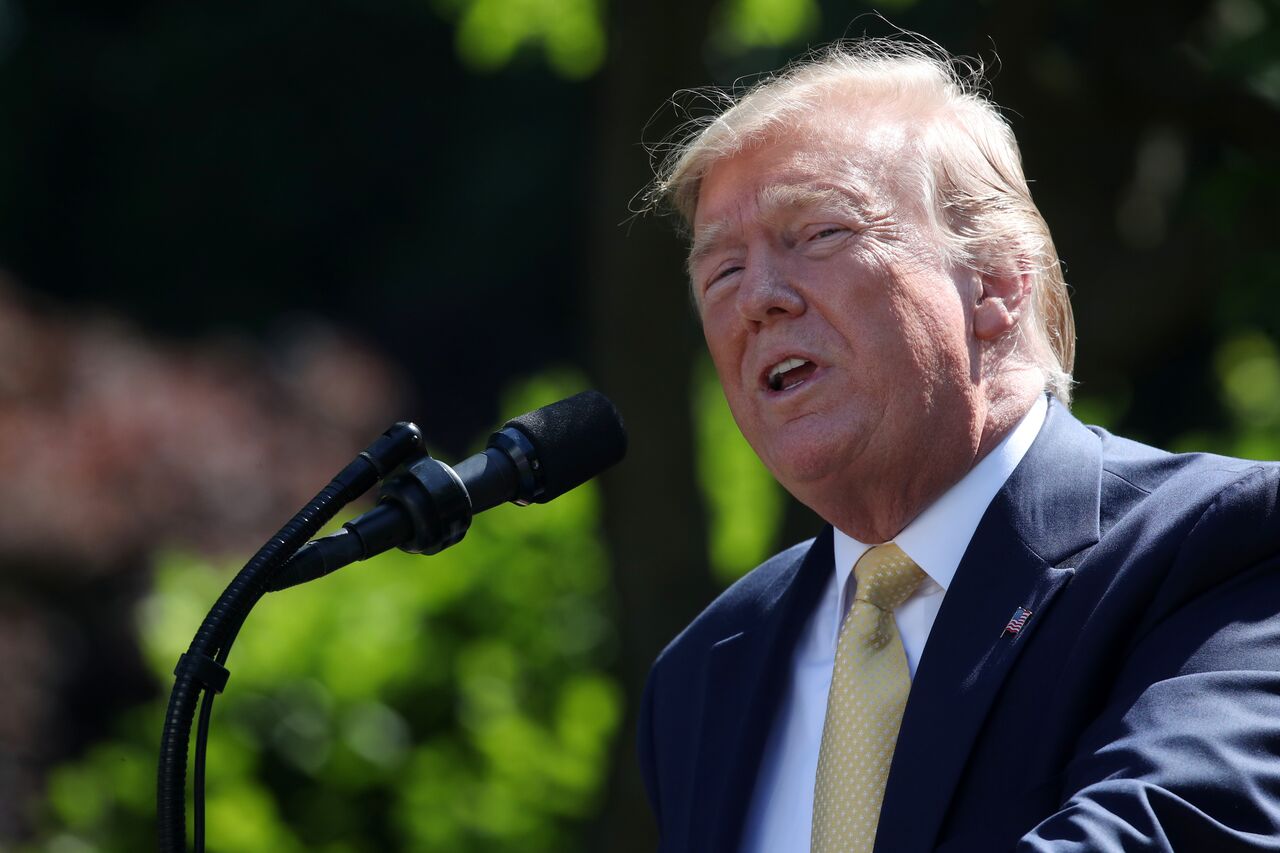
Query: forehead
column 772, row 176
column 851, row 158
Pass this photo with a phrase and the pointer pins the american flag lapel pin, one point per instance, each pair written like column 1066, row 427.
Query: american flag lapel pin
column 1019, row 618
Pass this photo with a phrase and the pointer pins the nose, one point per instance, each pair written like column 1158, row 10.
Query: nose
column 767, row 293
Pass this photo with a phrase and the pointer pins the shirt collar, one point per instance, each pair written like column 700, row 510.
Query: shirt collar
column 938, row 537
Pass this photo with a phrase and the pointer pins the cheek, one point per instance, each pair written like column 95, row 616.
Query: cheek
column 937, row 336
column 725, row 348
column 718, row 328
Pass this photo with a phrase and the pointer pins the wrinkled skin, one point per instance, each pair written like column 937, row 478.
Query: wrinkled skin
column 808, row 248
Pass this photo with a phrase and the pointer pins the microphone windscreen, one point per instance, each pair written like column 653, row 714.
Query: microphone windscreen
column 574, row 440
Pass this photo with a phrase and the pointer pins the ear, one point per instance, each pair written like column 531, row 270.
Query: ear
column 1000, row 304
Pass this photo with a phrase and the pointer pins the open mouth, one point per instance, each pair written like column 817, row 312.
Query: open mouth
column 789, row 373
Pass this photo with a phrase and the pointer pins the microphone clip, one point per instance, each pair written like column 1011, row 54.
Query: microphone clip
column 436, row 502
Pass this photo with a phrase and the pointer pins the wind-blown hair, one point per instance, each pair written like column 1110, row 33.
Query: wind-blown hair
column 962, row 162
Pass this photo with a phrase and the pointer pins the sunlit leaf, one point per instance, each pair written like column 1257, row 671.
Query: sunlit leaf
column 569, row 32
column 1248, row 366
column 746, row 24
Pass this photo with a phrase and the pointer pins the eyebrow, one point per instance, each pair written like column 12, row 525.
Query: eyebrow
column 705, row 241
column 773, row 199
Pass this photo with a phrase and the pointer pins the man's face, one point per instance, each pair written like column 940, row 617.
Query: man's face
column 843, row 341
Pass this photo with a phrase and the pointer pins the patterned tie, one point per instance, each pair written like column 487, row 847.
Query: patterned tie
column 869, row 687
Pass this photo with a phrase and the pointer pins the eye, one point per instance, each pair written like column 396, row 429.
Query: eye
column 721, row 274
column 828, row 231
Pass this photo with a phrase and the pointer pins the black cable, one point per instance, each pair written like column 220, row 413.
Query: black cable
column 202, row 738
column 197, row 771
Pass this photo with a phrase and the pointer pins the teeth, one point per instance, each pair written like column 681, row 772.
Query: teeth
column 783, row 366
column 775, row 372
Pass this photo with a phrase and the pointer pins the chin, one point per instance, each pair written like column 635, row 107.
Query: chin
column 798, row 464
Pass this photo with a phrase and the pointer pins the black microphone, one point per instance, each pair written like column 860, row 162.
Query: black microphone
column 427, row 507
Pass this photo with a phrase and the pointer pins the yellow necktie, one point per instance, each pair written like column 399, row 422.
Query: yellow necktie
column 869, row 687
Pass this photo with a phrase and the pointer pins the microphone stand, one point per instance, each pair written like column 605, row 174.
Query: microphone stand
column 202, row 670
column 532, row 459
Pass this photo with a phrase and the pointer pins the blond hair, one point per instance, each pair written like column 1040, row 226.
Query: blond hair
column 966, row 168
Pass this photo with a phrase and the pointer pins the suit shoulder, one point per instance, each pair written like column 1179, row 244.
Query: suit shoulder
column 1188, row 478
column 1191, row 520
column 739, row 606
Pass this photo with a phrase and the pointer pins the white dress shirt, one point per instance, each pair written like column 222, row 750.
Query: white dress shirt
column 781, row 811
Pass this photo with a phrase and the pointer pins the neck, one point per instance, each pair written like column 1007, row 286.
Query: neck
column 879, row 513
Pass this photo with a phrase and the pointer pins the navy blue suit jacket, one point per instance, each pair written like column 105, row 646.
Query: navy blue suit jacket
column 1137, row 709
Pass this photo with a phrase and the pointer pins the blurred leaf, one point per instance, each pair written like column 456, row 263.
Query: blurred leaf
column 76, row 796
column 746, row 24
column 1248, row 367
column 570, row 32
column 744, row 502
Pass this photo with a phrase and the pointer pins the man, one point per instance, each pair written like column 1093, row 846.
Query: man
column 1016, row 632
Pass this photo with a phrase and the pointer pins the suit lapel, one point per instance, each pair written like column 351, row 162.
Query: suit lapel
column 1046, row 513
column 747, row 673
